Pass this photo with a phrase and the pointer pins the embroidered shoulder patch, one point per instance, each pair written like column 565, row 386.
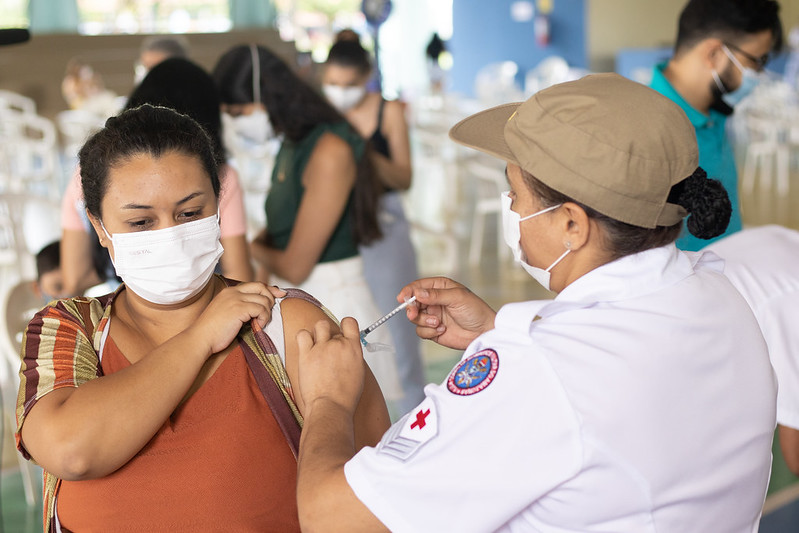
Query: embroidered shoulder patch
column 474, row 373
column 407, row 436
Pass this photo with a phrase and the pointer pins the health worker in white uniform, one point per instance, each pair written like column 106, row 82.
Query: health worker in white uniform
column 761, row 263
column 640, row 399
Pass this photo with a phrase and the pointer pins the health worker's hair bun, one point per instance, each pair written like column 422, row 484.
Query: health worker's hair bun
column 707, row 203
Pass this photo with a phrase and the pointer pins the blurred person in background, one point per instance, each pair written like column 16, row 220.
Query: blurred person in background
column 323, row 198
column 390, row 261
column 83, row 88
column 48, row 271
column 157, row 48
column 721, row 47
column 435, row 72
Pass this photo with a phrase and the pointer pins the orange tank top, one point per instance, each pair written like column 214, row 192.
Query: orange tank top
column 219, row 463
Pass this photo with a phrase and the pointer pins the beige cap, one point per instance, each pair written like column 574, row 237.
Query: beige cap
column 607, row 142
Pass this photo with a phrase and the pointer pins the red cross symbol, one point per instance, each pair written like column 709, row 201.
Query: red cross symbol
column 420, row 416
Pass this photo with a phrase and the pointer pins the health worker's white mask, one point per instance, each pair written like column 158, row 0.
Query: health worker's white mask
column 170, row 265
column 344, row 98
column 511, row 230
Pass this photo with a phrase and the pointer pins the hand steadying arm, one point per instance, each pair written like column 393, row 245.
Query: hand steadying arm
column 331, row 374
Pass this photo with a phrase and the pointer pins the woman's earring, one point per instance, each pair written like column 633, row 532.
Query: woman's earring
column 568, row 245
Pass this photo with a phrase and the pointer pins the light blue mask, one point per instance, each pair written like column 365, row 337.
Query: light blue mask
column 749, row 80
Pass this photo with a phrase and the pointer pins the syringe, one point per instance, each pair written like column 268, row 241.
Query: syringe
column 381, row 321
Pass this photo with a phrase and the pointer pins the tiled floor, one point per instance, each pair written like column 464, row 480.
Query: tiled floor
column 15, row 515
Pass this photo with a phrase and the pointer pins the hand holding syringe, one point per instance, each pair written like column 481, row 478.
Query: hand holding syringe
column 384, row 319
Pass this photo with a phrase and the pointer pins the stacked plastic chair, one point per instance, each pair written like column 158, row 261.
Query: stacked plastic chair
column 767, row 124
column 27, row 222
column 489, row 180
column 29, row 153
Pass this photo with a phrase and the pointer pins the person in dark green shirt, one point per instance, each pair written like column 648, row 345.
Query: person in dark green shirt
column 721, row 46
column 323, row 197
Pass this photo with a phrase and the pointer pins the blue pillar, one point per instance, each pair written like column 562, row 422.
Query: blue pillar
column 484, row 32
column 53, row 16
column 252, row 14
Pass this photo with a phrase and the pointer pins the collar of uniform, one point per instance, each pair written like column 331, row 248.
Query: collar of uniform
column 631, row 276
column 662, row 85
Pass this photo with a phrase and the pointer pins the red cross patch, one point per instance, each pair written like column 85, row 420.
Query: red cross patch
column 413, row 431
column 420, row 416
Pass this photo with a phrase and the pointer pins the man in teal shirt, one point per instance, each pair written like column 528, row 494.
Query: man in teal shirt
column 721, row 45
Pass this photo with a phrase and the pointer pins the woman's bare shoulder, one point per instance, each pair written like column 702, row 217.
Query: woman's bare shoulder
column 300, row 314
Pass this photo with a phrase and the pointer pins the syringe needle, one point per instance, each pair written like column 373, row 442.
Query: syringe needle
column 382, row 320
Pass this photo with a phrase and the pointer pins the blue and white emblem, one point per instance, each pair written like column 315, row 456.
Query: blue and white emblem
column 474, row 373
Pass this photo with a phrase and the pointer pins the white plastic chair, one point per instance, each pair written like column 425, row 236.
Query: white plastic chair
column 489, row 184
column 767, row 160
column 550, row 71
column 431, row 202
column 27, row 223
column 76, row 125
column 16, row 102
column 496, row 84
column 19, row 304
column 29, row 154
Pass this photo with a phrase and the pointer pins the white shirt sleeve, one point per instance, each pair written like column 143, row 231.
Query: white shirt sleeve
column 777, row 320
column 471, row 462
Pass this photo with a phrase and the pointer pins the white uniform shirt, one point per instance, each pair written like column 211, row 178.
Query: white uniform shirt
column 761, row 263
column 642, row 400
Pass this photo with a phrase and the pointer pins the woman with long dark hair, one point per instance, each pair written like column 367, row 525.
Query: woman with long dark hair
column 322, row 201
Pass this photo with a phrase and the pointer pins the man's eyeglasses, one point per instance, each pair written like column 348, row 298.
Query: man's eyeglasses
column 759, row 61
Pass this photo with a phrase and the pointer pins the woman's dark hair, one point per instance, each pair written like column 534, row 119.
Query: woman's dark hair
column 187, row 88
column 293, row 106
column 729, row 20
column 435, row 47
column 349, row 54
column 705, row 200
column 295, row 109
column 146, row 129
column 48, row 259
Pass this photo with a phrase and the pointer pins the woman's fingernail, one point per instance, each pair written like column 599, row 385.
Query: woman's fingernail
column 432, row 321
column 423, row 293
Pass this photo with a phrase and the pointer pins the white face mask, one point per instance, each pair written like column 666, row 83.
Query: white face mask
column 170, row 265
column 254, row 128
column 344, row 98
column 511, row 229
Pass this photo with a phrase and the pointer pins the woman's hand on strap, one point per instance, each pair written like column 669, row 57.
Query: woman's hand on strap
column 221, row 321
column 447, row 312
